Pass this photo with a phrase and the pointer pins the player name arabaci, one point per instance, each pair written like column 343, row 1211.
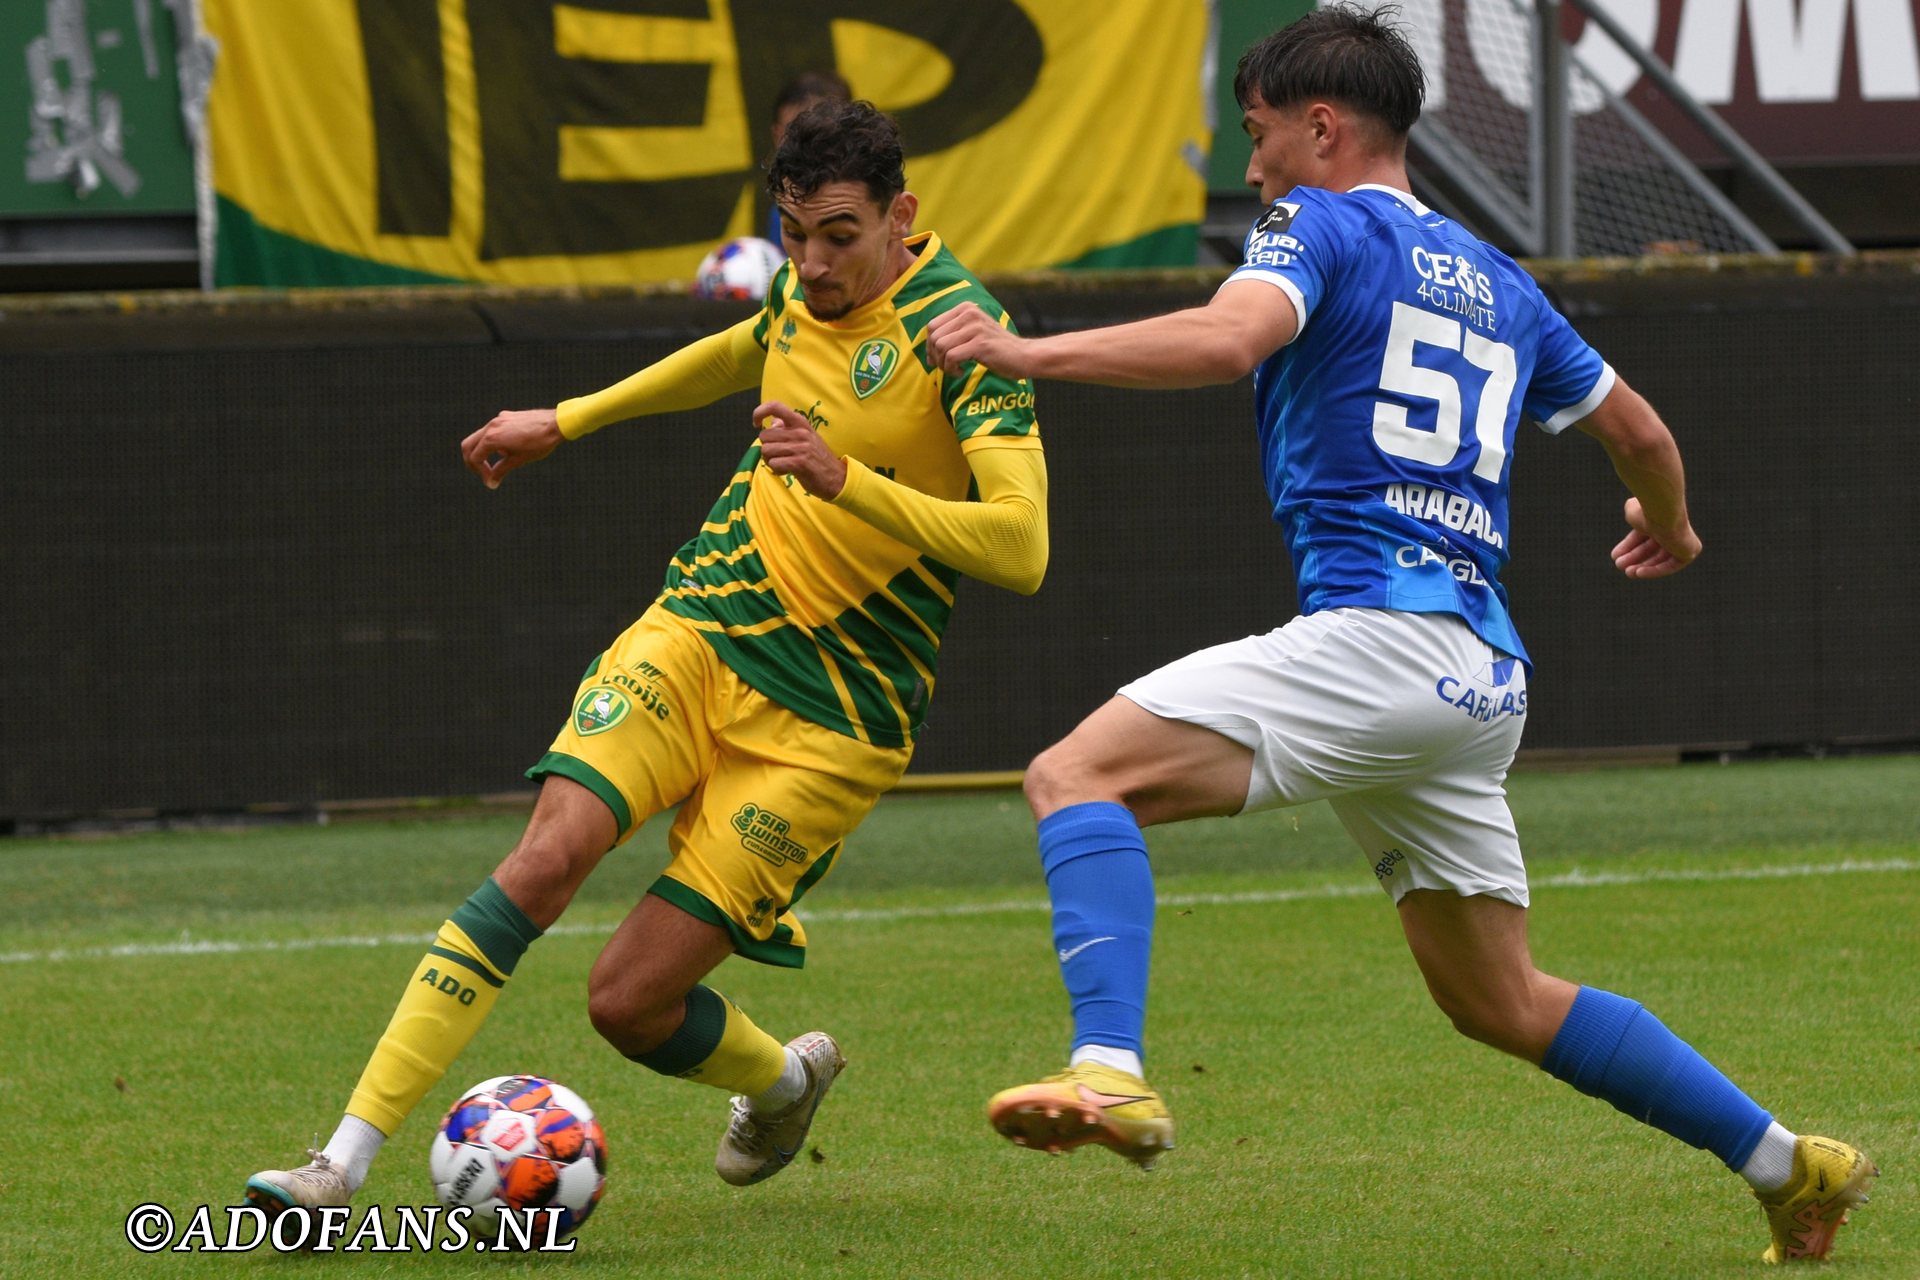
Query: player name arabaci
column 1443, row 506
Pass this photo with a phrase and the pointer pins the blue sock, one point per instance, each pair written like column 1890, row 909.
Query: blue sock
column 1095, row 861
column 1612, row 1049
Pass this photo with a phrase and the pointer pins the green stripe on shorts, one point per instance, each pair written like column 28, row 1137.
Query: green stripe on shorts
column 779, row 950
column 592, row 779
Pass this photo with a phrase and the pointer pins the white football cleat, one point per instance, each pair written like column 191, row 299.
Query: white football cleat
column 758, row 1146
column 316, row 1185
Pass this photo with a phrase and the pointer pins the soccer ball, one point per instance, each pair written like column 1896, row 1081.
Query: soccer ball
column 739, row 270
column 519, row 1142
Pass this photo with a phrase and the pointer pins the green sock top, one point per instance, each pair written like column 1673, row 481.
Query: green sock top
column 499, row 928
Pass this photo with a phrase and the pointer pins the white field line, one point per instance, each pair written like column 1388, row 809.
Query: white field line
column 1575, row 879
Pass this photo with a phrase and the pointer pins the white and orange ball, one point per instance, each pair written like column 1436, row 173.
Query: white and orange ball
column 519, row 1142
column 738, row 270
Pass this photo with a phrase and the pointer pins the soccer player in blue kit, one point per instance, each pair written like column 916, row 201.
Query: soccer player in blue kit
column 1393, row 355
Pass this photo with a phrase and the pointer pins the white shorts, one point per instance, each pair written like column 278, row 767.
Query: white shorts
column 1406, row 723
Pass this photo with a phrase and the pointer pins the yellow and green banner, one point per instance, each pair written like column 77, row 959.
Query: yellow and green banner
column 614, row 141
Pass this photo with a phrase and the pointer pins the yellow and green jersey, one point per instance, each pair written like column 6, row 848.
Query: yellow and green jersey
column 812, row 605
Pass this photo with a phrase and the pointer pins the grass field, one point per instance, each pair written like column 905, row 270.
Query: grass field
column 184, row 1008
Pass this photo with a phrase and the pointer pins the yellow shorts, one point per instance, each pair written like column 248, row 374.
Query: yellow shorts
column 768, row 797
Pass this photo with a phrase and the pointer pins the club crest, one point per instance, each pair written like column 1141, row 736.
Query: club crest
column 598, row 710
column 873, row 364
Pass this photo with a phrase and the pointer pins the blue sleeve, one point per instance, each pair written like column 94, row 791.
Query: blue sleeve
column 1569, row 377
column 1294, row 245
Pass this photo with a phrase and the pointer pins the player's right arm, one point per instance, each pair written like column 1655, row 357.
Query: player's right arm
column 1291, row 251
column 1647, row 460
column 698, row 374
column 1223, row 341
column 1001, row 538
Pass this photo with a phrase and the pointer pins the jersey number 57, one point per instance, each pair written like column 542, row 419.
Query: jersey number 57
column 1398, row 373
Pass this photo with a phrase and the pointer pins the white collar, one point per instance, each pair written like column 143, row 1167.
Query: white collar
column 1404, row 197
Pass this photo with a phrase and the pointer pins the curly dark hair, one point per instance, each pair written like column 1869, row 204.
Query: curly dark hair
column 1344, row 54
column 839, row 142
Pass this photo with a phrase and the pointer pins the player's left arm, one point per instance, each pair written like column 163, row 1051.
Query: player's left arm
column 1000, row 539
column 1223, row 341
column 1572, row 386
column 1662, row 540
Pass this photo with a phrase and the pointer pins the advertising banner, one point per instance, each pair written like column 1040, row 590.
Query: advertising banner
column 1818, row 82
column 90, row 110
column 614, row 141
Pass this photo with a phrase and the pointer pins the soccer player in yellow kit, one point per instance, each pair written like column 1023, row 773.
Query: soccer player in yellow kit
column 775, row 686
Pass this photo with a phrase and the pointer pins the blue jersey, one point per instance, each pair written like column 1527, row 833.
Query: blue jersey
column 1387, row 424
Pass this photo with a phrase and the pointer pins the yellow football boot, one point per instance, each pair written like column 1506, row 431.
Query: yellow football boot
column 1084, row 1104
column 1829, row 1178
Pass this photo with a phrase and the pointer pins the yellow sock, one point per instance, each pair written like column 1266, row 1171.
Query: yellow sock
column 452, row 991
column 719, row 1045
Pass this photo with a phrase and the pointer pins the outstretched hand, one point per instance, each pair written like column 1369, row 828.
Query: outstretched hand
column 510, row 440
column 791, row 447
column 1653, row 553
column 967, row 333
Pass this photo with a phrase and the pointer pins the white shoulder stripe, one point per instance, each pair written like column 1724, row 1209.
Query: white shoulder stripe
column 1281, row 283
column 1573, row 413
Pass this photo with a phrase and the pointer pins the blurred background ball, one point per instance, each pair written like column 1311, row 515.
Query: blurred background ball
column 738, row 270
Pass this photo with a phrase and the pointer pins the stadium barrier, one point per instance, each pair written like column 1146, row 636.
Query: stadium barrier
column 244, row 566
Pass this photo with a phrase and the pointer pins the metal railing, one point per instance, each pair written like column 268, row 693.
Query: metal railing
column 1560, row 183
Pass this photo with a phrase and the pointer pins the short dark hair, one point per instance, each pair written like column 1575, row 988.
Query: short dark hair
column 811, row 86
column 1358, row 58
column 839, row 142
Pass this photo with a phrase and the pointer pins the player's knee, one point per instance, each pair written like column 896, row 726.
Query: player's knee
column 1484, row 1020
column 610, row 1010
column 1037, row 784
column 1056, row 779
column 542, row 873
column 630, row 1018
column 1471, row 1021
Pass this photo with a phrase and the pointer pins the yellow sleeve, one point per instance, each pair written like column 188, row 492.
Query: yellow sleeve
column 1001, row 539
column 718, row 365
